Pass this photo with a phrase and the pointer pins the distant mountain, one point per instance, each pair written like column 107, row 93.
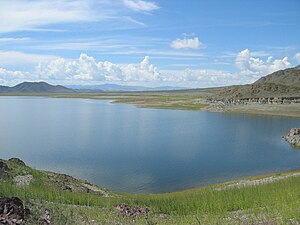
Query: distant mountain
column 283, row 83
column 116, row 87
column 35, row 87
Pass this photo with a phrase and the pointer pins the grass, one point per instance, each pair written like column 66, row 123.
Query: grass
column 278, row 201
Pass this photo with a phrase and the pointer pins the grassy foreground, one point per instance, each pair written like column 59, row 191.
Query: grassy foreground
column 276, row 201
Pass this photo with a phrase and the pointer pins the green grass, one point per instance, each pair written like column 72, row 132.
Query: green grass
column 278, row 201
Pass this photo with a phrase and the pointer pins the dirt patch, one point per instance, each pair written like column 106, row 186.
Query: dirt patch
column 71, row 184
column 131, row 211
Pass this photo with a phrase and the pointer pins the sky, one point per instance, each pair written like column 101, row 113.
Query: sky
column 182, row 43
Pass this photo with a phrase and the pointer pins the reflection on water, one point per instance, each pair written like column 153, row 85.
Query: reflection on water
column 142, row 150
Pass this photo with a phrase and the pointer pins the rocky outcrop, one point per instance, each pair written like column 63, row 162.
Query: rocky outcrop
column 17, row 161
column 13, row 212
column 4, row 170
column 23, row 180
column 293, row 137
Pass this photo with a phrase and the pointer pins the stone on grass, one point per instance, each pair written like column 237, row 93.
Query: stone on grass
column 13, row 212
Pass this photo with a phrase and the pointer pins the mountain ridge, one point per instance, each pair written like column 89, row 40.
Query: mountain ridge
column 282, row 83
column 35, row 87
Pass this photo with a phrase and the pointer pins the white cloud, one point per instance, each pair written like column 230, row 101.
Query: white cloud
column 192, row 43
column 145, row 71
column 248, row 64
column 297, row 57
column 141, row 5
column 204, row 77
column 8, row 75
column 86, row 68
column 11, row 39
column 18, row 15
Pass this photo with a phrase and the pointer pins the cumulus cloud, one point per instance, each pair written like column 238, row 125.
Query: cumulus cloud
column 141, row 5
column 185, row 43
column 248, row 64
column 297, row 57
column 9, row 75
column 86, row 68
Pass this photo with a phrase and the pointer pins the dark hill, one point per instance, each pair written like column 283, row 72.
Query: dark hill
column 288, row 77
column 35, row 87
column 283, row 83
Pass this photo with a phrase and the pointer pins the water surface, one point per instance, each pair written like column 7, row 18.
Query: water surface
column 127, row 149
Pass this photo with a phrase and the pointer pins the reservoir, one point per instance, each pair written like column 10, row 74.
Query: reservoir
column 128, row 149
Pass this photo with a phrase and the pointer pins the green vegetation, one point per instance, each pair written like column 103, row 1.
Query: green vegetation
column 276, row 201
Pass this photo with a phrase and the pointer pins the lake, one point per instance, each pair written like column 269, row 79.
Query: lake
column 134, row 150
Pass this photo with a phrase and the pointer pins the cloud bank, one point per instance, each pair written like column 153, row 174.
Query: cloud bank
column 87, row 69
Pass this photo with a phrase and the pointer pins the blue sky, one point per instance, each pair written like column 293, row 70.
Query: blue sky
column 192, row 43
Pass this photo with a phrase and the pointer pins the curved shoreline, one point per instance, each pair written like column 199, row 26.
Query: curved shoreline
column 169, row 100
column 250, row 200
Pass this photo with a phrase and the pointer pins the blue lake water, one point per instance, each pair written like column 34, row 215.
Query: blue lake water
column 128, row 149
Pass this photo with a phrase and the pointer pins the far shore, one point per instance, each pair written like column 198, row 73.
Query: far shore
column 181, row 100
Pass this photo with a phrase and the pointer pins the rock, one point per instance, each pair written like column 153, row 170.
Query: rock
column 4, row 170
column 45, row 218
column 18, row 161
column 131, row 211
column 23, row 180
column 3, row 166
column 293, row 137
column 4, row 175
column 13, row 212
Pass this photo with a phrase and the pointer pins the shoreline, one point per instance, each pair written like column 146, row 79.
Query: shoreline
column 166, row 100
column 251, row 180
column 67, row 200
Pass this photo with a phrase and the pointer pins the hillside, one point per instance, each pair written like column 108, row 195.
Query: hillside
column 288, row 77
column 34, row 197
column 283, row 83
column 35, row 87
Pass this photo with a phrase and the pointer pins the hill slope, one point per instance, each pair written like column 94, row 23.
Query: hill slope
column 51, row 198
column 283, row 83
column 35, row 87
column 288, row 77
